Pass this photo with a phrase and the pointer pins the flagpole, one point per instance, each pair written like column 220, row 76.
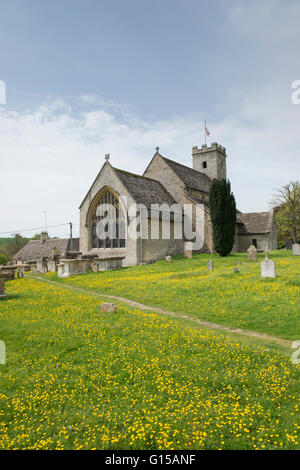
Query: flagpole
column 205, row 132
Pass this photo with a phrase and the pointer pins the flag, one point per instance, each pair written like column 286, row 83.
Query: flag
column 207, row 131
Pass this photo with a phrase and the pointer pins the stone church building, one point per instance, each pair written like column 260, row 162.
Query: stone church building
column 170, row 183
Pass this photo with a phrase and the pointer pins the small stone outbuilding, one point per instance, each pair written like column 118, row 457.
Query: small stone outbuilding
column 258, row 229
column 46, row 252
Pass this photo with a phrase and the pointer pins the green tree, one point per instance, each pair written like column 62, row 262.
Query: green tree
column 223, row 216
column 37, row 236
column 287, row 202
column 3, row 259
column 13, row 245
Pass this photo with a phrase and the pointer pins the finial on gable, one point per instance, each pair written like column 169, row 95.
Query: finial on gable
column 157, row 149
column 107, row 156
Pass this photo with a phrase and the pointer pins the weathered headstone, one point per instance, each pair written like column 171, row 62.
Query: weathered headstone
column 210, row 264
column 2, row 352
column 20, row 273
column 296, row 249
column 188, row 250
column 267, row 267
column 169, row 259
column 94, row 267
column 252, row 253
column 3, row 278
column 106, row 307
column 238, row 263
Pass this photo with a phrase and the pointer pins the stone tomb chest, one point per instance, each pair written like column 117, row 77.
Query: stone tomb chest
column 105, row 264
column 69, row 267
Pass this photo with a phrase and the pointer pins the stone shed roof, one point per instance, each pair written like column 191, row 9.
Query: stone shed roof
column 34, row 249
column 255, row 222
column 191, row 178
column 145, row 190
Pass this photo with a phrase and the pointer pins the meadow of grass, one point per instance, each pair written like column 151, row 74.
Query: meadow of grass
column 78, row 379
column 242, row 300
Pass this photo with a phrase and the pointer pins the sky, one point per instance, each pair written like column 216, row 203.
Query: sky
column 86, row 78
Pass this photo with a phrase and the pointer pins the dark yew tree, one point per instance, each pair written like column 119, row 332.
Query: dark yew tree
column 223, row 216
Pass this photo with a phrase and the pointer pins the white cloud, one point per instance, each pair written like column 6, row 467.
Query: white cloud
column 51, row 153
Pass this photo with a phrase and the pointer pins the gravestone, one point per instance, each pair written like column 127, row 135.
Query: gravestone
column 188, row 250
column 267, row 267
column 3, row 278
column 238, row 263
column 210, row 264
column 296, row 249
column 106, row 307
column 20, row 273
column 169, row 259
column 252, row 253
column 94, row 267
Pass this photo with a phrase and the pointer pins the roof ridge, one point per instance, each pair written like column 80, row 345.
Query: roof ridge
column 263, row 212
column 144, row 177
column 135, row 174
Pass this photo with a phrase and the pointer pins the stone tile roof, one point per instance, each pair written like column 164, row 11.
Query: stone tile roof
column 191, row 178
column 145, row 190
column 255, row 222
column 34, row 249
column 199, row 201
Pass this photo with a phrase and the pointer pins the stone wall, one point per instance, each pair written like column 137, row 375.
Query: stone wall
column 208, row 234
column 155, row 249
column 263, row 241
column 159, row 170
column 210, row 160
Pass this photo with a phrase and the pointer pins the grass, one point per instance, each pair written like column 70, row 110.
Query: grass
column 79, row 379
column 241, row 300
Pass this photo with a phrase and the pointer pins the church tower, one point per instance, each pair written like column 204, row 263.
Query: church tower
column 210, row 160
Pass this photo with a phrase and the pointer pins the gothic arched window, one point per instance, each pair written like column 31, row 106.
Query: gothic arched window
column 108, row 222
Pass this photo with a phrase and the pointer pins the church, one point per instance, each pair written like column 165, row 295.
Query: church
column 167, row 184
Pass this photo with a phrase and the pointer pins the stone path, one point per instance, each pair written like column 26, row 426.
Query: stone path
column 207, row 324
